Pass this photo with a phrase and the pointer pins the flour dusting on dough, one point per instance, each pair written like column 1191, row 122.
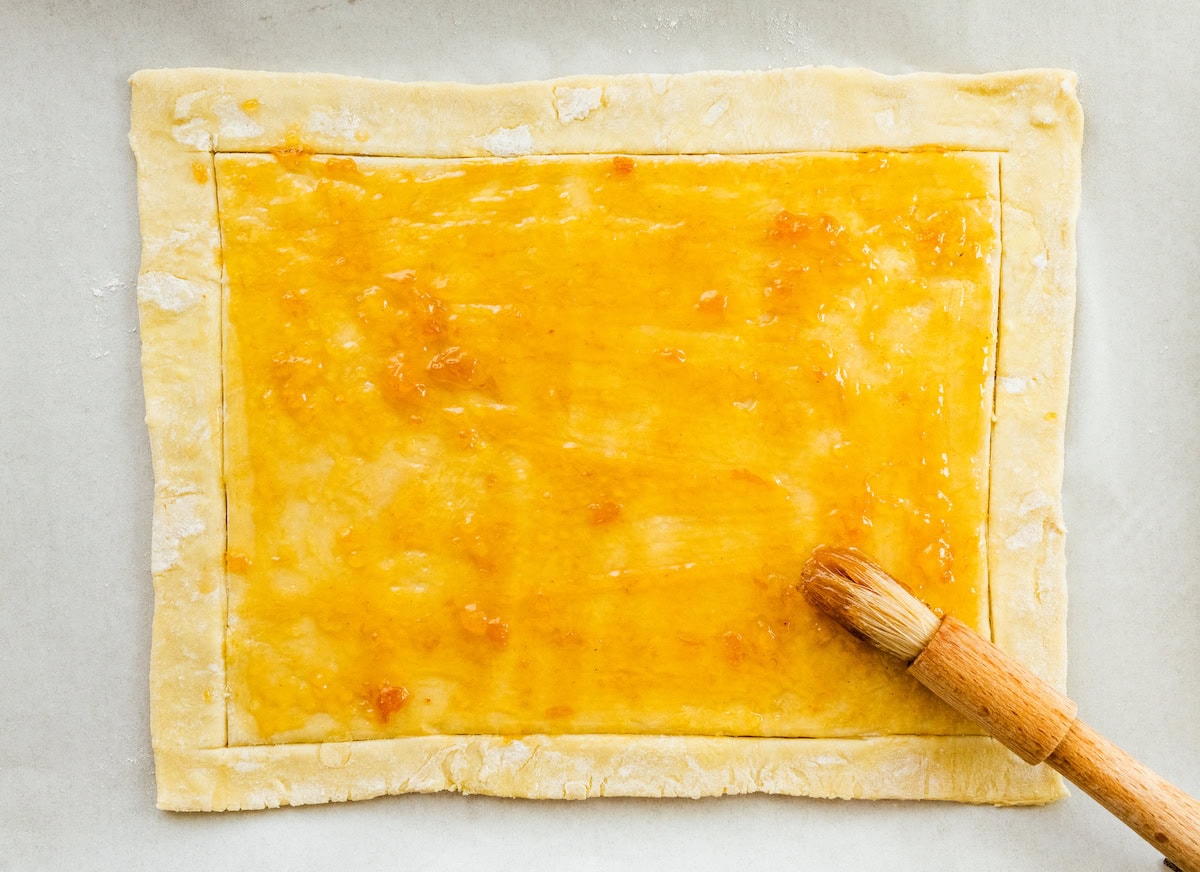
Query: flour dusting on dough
column 505, row 758
column 1043, row 115
column 715, row 111
column 194, row 134
column 178, row 518
column 1030, row 534
column 575, row 104
column 335, row 755
column 203, row 235
column 335, row 123
column 1015, row 384
column 508, row 141
column 183, row 105
column 1034, row 500
column 820, row 134
column 169, row 291
column 826, row 761
column 235, row 123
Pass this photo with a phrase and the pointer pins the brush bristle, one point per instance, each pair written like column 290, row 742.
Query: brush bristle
column 862, row 597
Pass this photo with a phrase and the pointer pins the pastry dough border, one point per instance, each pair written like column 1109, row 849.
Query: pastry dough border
column 181, row 117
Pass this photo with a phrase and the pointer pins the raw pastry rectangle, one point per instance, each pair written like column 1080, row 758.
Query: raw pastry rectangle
column 184, row 119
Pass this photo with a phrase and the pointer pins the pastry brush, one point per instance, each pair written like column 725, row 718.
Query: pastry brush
column 1012, row 703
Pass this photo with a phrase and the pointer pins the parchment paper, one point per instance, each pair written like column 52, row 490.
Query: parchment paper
column 76, row 781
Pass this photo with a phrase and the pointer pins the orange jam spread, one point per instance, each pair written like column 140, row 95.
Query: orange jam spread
column 540, row 445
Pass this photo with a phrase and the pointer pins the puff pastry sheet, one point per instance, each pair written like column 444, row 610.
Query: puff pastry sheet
column 182, row 118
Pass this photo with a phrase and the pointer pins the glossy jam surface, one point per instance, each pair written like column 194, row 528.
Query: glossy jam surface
column 540, row 445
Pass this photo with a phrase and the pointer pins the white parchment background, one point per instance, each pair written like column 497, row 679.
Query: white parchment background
column 76, row 781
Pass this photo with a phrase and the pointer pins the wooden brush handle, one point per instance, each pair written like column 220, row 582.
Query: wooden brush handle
column 984, row 683
column 1039, row 724
column 1155, row 809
